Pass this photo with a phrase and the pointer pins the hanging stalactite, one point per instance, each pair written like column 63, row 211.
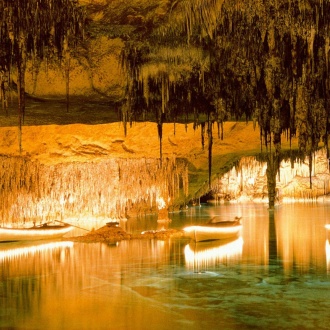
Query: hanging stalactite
column 36, row 30
column 34, row 192
column 266, row 61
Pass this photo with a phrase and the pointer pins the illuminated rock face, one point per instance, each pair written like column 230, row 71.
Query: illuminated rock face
column 110, row 188
column 248, row 181
column 86, row 171
column 97, row 76
column 116, row 188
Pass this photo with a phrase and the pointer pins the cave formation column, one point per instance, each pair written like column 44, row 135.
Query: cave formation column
column 271, row 172
column 21, row 67
column 273, row 158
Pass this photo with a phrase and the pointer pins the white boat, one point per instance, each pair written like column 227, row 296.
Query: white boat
column 214, row 230
column 42, row 232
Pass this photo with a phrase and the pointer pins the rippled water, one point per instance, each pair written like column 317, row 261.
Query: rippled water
column 274, row 276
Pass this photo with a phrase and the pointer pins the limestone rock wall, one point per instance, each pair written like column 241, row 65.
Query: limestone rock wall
column 248, row 181
column 107, row 189
column 94, row 72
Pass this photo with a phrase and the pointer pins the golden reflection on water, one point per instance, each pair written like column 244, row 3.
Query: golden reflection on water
column 293, row 235
column 200, row 256
column 147, row 284
column 327, row 251
column 255, row 233
column 81, row 283
column 301, row 237
column 11, row 251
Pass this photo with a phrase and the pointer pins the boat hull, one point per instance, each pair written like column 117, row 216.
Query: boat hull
column 210, row 232
column 34, row 233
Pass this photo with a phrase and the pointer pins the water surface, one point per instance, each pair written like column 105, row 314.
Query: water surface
column 274, row 276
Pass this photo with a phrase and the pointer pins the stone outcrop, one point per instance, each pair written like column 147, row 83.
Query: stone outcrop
column 96, row 171
column 94, row 74
column 86, row 171
column 247, row 181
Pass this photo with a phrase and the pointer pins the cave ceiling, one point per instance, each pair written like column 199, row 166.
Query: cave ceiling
column 209, row 60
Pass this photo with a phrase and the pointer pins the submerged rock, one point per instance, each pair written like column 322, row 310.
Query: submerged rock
column 108, row 234
column 160, row 234
column 112, row 234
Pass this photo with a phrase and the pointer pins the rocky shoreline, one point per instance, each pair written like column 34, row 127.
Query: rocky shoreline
column 113, row 234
